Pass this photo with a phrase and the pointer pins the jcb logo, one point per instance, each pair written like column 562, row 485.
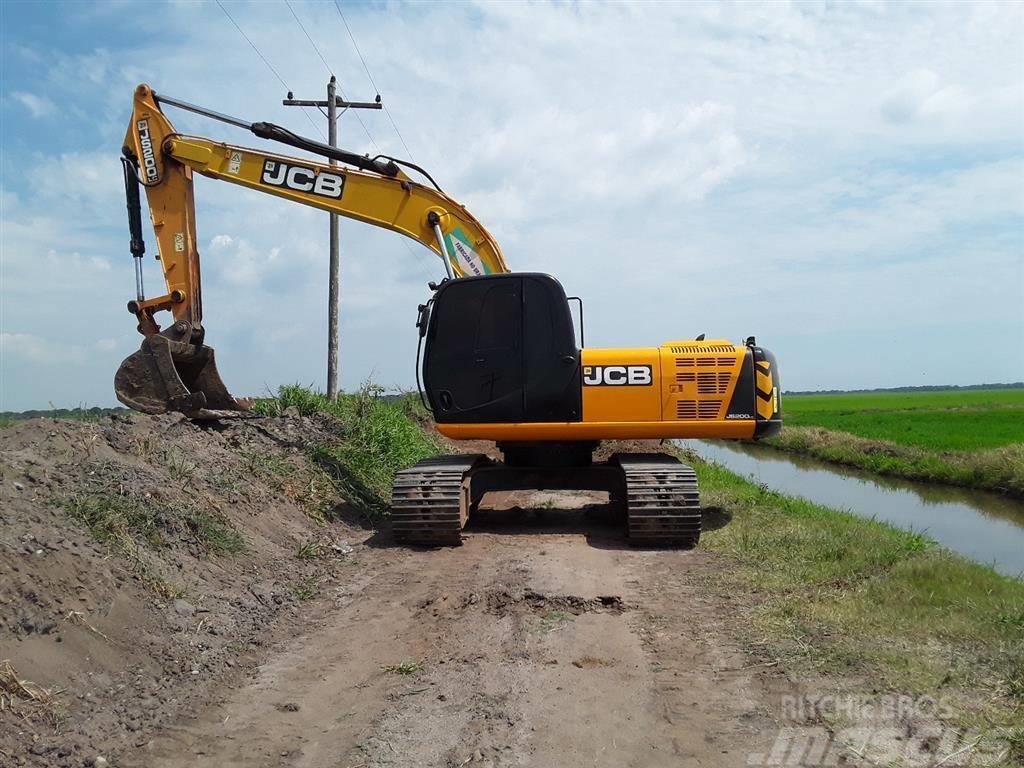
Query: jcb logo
column 303, row 179
column 617, row 375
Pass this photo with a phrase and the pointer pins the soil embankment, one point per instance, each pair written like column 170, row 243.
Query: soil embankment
column 142, row 560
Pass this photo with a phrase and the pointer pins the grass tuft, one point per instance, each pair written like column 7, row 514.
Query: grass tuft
column 307, row 588
column 306, row 484
column 126, row 522
column 15, row 692
column 406, row 668
column 118, row 520
column 12, row 685
column 379, row 436
column 552, row 620
column 212, row 532
column 311, row 550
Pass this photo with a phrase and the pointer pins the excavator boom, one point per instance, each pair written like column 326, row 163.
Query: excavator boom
column 173, row 370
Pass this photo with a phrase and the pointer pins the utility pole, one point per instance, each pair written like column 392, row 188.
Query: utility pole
column 334, row 281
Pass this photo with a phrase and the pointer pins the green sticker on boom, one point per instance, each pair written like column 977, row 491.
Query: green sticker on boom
column 463, row 257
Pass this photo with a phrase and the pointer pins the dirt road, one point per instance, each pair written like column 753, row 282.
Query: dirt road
column 171, row 590
column 543, row 641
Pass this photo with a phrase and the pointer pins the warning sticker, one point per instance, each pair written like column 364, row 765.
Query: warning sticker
column 466, row 260
column 235, row 164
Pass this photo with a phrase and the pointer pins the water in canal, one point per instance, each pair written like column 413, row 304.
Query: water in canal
column 982, row 526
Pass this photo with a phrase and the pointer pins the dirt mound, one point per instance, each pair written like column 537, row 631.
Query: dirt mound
column 143, row 558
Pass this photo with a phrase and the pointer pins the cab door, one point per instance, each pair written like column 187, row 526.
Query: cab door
column 473, row 363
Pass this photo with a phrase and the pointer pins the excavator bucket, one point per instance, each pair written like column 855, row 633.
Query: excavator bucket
column 167, row 375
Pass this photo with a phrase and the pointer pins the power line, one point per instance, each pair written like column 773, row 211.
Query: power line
column 269, row 65
column 370, row 78
column 251, row 43
column 329, row 71
column 299, row 22
column 412, row 252
column 355, row 45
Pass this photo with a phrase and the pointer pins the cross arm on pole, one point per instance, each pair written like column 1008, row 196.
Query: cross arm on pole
column 338, row 102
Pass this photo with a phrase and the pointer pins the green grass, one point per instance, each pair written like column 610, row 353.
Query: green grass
column 995, row 469
column 377, row 437
column 794, row 541
column 212, row 532
column 306, row 484
column 405, row 669
column 859, row 600
column 131, row 525
column 307, row 589
column 552, row 620
column 963, row 398
column 120, row 521
column 311, row 550
column 939, row 421
column 972, row 438
column 126, row 522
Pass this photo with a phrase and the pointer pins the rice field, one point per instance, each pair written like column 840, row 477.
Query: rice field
column 951, row 420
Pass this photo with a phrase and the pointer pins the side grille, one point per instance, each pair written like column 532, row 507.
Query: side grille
column 698, row 409
column 703, row 348
column 710, row 383
column 705, row 362
column 703, row 372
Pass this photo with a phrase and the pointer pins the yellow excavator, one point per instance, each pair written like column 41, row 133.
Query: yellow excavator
column 499, row 357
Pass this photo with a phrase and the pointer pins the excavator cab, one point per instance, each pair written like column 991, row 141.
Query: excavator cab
column 502, row 349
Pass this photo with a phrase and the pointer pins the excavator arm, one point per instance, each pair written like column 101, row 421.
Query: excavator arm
column 174, row 370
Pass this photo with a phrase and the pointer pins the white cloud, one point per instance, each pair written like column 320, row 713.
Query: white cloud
column 919, row 95
column 37, row 106
column 15, row 347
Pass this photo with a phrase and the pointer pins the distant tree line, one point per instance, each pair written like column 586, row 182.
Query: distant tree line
column 82, row 414
column 936, row 388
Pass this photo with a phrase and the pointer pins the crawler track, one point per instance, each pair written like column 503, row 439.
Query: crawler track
column 430, row 502
column 662, row 500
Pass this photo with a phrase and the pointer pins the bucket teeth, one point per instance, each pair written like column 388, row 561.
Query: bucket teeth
column 167, row 375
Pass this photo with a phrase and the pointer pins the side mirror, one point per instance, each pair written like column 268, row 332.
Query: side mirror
column 423, row 318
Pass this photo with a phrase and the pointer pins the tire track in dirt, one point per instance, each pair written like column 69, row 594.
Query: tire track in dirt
column 522, row 664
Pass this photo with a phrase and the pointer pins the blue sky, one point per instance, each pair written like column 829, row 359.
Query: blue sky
column 845, row 181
